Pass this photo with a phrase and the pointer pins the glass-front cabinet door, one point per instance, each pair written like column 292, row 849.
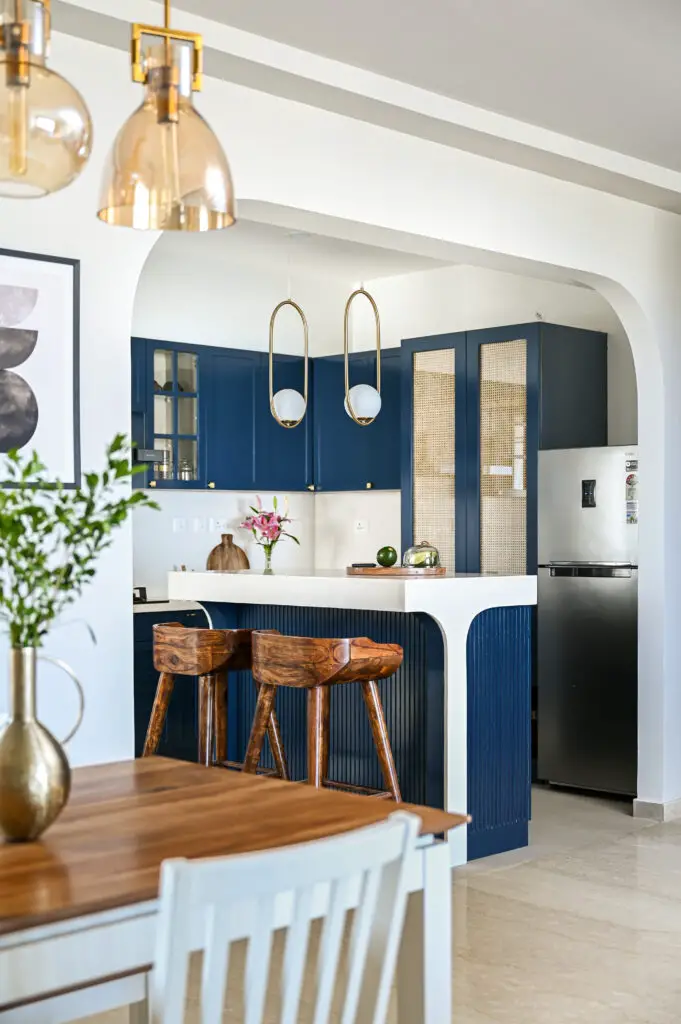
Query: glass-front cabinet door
column 434, row 474
column 175, row 375
column 502, row 438
column 466, row 474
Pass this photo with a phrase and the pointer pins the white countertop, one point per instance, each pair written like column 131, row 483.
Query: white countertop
column 333, row 588
column 165, row 606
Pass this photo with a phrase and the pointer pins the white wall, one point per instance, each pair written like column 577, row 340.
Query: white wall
column 182, row 534
column 221, row 289
column 468, row 298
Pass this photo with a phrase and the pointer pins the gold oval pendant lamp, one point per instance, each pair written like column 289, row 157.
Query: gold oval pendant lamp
column 288, row 406
column 167, row 170
column 362, row 402
column 45, row 126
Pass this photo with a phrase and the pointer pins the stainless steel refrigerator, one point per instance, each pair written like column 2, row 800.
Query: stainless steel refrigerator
column 587, row 619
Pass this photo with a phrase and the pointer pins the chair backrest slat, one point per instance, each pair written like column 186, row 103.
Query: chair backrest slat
column 329, row 954
column 215, row 966
column 210, row 904
column 258, row 962
column 295, row 956
column 359, row 943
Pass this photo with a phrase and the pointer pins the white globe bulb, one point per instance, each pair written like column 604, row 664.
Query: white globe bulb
column 289, row 406
column 365, row 401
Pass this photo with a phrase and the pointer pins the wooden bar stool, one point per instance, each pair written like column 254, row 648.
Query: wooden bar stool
column 208, row 654
column 317, row 665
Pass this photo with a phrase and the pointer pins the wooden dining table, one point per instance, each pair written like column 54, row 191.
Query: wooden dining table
column 78, row 908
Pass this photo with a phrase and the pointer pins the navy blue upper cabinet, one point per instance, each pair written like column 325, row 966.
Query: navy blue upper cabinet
column 478, row 407
column 207, row 410
column 283, row 456
column 349, row 457
column 230, row 385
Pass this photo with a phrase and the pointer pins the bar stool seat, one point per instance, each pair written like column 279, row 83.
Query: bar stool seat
column 209, row 654
column 316, row 665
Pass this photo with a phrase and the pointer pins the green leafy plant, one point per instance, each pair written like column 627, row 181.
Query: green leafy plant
column 51, row 536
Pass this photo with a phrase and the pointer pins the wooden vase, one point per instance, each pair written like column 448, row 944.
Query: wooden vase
column 227, row 556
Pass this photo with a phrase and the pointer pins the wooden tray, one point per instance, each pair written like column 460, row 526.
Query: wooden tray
column 398, row 570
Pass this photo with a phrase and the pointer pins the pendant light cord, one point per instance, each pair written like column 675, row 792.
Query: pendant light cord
column 168, row 53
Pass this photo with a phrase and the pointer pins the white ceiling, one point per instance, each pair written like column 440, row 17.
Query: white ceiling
column 257, row 243
column 603, row 71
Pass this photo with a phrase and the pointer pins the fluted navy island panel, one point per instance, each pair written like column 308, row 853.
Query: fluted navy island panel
column 499, row 662
column 499, row 655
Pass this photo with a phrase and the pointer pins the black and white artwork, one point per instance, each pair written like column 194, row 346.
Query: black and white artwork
column 39, row 315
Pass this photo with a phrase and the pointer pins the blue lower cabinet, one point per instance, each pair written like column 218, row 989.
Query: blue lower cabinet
column 349, row 457
column 283, row 455
column 179, row 737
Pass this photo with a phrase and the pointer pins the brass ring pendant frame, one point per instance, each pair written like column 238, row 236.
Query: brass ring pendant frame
column 361, row 421
column 288, row 302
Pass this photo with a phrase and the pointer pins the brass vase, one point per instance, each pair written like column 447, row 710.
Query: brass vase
column 35, row 776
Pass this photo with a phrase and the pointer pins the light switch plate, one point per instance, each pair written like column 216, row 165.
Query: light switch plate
column 179, row 525
column 198, row 525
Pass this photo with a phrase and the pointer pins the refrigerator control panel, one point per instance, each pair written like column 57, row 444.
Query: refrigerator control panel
column 588, row 494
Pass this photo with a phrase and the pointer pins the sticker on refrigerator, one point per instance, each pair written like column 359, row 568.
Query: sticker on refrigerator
column 631, row 492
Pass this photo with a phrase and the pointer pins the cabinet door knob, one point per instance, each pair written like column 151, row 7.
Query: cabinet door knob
column 369, row 485
column 212, row 485
column 152, row 483
column 310, row 487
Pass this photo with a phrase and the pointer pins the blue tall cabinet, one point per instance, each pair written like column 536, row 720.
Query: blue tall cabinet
column 477, row 407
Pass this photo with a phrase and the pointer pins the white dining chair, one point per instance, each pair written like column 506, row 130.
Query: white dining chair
column 211, row 904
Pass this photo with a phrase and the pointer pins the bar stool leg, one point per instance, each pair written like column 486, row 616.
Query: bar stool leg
column 206, row 715
column 263, row 712
column 379, row 731
column 277, row 747
column 164, row 691
column 220, row 716
column 317, row 735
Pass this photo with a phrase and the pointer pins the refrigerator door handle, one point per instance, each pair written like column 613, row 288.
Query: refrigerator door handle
column 591, row 571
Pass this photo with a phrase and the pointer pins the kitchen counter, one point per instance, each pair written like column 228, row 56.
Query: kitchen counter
column 152, row 607
column 458, row 710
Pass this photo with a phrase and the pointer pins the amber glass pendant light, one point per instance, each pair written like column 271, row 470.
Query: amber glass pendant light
column 45, row 127
column 167, row 170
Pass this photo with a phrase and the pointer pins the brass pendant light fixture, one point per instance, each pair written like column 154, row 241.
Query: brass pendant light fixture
column 167, row 170
column 45, row 127
column 288, row 406
column 362, row 402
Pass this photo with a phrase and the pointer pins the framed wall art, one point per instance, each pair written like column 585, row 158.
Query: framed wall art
column 39, row 368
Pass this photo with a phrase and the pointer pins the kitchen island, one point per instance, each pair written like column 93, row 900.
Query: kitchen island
column 458, row 710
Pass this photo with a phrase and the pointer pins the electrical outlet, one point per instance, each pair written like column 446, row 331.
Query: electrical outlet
column 179, row 525
column 221, row 525
column 361, row 526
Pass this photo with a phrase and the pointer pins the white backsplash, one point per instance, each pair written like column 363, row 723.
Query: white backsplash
column 181, row 534
column 185, row 531
column 339, row 542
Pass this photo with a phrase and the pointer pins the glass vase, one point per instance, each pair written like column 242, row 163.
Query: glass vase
column 267, row 571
